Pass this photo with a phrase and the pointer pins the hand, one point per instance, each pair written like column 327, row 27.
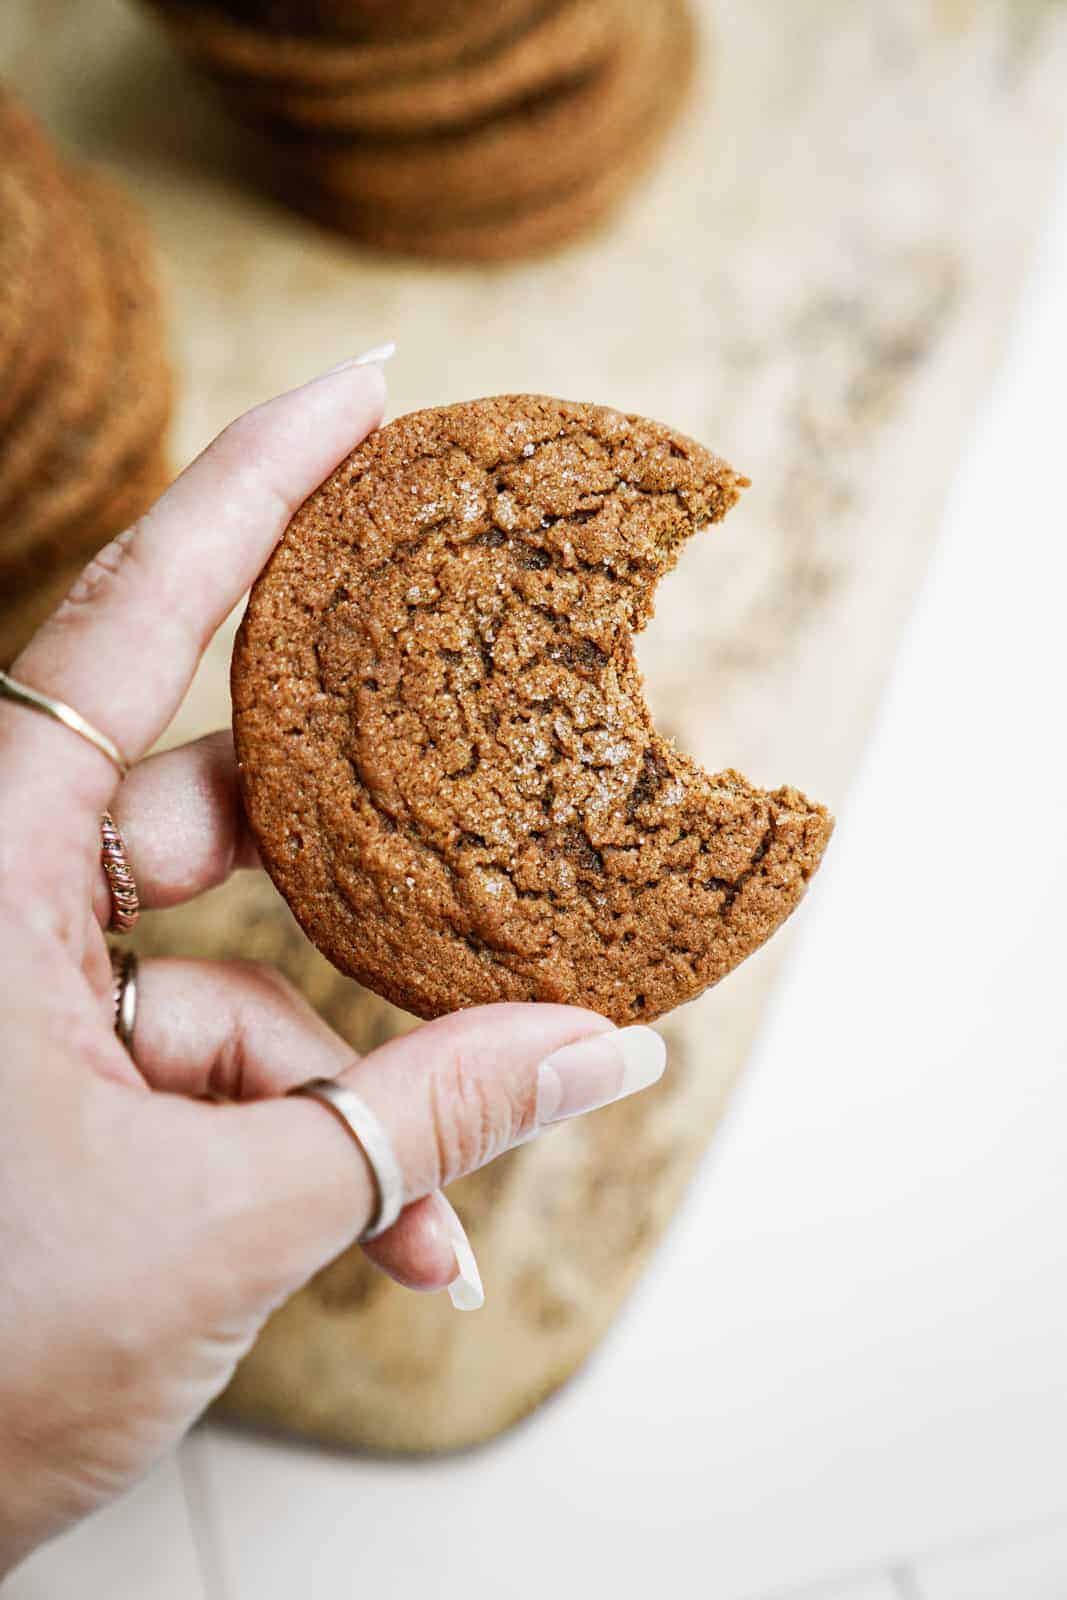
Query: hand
column 146, row 1233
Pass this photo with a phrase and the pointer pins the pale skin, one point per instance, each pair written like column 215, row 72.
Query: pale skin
column 147, row 1232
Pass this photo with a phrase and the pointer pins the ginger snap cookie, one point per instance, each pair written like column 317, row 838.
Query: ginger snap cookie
column 25, row 224
column 22, row 611
column 561, row 45
column 497, row 233
column 30, row 274
column 498, row 136
column 360, row 19
column 84, row 382
column 444, row 751
column 68, row 401
column 239, row 50
column 84, row 466
column 529, row 151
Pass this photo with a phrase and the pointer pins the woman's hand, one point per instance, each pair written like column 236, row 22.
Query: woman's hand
column 146, row 1233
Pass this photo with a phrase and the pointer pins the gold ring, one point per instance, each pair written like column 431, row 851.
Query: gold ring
column 23, row 695
column 125, row 902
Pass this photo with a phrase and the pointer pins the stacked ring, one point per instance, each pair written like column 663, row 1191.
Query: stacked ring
column 125, row 904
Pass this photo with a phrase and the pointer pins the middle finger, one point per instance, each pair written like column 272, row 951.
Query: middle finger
column 182, row 824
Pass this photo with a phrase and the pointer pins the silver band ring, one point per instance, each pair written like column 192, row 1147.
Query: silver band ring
column 59, row 711
column 125, row 904
column 124, row 986
column 362, row 1124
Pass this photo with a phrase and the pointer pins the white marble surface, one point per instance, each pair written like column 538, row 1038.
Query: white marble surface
column 143, row 1546
column 844, row 1377
column 1032, row 1564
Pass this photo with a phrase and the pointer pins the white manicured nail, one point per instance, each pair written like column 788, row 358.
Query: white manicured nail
column 598, row 1070
column 374, row 357
column 465, row 1291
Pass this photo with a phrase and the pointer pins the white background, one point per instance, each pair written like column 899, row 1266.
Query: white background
column 844, row 1376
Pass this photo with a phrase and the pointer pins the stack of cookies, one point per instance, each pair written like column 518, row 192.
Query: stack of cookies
column 473, row 129
column 84, row 384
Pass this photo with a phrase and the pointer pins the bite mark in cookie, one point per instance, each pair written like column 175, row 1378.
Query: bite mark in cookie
column 445, row 753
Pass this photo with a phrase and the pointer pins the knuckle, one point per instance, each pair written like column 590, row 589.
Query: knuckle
column 106, row 569
column 474, row 1119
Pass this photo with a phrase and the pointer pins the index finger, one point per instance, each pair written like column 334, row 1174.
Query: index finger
column 124, row 645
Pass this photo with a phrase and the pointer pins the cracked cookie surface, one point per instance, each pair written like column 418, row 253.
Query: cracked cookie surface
column 445, row 753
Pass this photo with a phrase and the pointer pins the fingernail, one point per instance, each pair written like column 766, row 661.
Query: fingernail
column 596, row 1071
column 374, row 357
column 465, row 1291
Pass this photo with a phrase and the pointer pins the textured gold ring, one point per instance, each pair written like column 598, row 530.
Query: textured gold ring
column 125, row 902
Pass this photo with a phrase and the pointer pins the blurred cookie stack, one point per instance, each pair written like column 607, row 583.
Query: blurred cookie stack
column 84, row 383
column 474, row 129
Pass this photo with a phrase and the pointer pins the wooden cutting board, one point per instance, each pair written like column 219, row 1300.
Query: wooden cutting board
column 816, row 283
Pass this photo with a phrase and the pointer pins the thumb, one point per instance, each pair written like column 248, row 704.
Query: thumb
column 450, row 1097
